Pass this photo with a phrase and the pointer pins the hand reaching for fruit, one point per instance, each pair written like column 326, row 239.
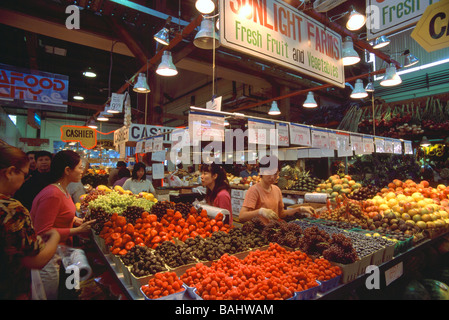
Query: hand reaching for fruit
column 308, row 210
column 268, row 214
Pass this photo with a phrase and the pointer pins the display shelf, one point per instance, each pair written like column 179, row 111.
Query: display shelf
column 344, row 289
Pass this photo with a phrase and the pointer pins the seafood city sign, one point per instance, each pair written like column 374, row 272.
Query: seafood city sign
column 276, row 32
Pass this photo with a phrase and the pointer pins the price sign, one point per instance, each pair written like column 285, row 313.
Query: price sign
column 397, row 147
column 158, row 143
column 343, row 144
column 380, row 145
column 357, row 144
column 394, row 273
column 300, row 135
column 333, row 141
column 368, row 144
column 320, row 138
column 149, row 145
column 117, row 102
column 283, row 137
column 388, row 146
column 259, row 131
column 205, row 127
column 408, row 147
column 158, row 171
column 139, row 146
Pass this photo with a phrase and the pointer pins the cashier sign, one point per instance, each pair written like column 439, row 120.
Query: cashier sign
column 87, row 137
column 279, row 33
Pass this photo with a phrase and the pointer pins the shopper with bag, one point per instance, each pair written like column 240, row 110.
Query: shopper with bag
column 264, row 199
column 218, row 190
column 53, row 207
column 22, row 249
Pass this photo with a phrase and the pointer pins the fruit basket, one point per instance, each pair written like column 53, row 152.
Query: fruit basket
column 349, row 271
column 187, row 293
column 308, row 294
column 329, row 284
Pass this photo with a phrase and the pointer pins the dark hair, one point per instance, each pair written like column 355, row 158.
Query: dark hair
column 221, row 182
column 137, row 166
column 61, row 160
column 12, row 156
column 121, row 164
column 43, row 153
column 32, row 152
column 123, row 172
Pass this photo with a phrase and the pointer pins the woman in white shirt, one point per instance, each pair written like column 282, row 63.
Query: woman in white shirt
column 138, row 181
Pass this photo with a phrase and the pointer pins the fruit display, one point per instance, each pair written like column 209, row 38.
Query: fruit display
column 174, row 255
column 143, row 261
column 364, row 193
column 271, row 274
column 242, row 181
column 162, row 285
column 337, row 186
column 306, row 184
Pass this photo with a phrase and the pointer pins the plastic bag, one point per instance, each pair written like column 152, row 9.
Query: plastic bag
column 37, row 287
column 72, row 257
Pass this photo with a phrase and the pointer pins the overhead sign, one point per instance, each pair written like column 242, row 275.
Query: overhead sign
column 33, row 89
column 388, row 16
column 136, row 132
column 274, row 31
column 432, row 30
column 116, row 103
column 87, row 137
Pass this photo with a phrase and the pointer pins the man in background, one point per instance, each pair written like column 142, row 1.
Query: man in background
column 113, row 175
column 38, row 181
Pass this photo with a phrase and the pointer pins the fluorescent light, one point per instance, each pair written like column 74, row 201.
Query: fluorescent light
column 425, row 66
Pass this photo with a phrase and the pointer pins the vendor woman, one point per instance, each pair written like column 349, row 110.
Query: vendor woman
column 264, row 199
column 218, row 190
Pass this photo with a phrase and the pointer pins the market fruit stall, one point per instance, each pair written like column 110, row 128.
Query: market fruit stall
column 166, row 250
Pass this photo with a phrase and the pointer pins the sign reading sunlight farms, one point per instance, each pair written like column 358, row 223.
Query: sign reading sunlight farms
column 277, row 32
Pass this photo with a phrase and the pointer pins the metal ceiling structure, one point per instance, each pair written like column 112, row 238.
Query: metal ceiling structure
column 116, row 40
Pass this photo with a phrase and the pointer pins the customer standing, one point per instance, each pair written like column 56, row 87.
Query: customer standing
column 138, row 181
column 218, row 190
column 123, row 175
column 264, row 199
column 113, row 175
column 21, row 248
column 53, row 208
column 38, row 181
column 32, row 158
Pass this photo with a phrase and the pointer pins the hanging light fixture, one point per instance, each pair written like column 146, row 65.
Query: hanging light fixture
column 78, row 97
column 381, row 42
column 102, row 117
column 91, row 124
column 108, row 110
column 355, row 21
column 391, row 78
column 162, row 36
column 310, row 101
column 409, row 59
column 369, row 87
column 166, row 68
column 359, row 92
column 205, row 6
column 350, row 56
column 206, row 37
column 89, row 73
column 274, row 110
column 141, row 85
column 424, row 142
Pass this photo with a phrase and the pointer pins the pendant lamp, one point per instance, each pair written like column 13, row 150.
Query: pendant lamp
column 409, row 59
column 369, row 87
column 89, row 73
column 141, row 85
column 205, row 6
column 350, row 56
column 102, row 117
column 163, row 36
column 359, row 92
column 91, row 124
column 205, row 38
column 310, row 101
column 381, row 42
column 424, row 142
column 391, row 78
column 166, row 68
column 274, row 110
column 355, row 21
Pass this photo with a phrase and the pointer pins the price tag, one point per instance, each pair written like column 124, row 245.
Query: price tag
column 300, row 135
column 397, row 147
column 149, row 145
column 388, row 146
column 117, row 102
column 343, row 144
column 380, row 145
column 320, row 138
column 394, row 273
column 368, row 145
column 259, row 131
column 158, row 143
column 158, row 171
column 206, row 127
column 408, row 147
column 333, row 141
column 357, row 144
column 283, row 138
column 139, row 146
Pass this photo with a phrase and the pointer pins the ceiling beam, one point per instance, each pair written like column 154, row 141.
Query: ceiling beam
column 59, row 31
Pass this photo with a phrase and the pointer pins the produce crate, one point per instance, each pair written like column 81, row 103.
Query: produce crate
column 186, row 294
column 378, row 257
column 126, row 272
column 349, row 271
column 389, row 252
column 402, row 246
column 308, row 294
column 365, row 262
column 329, row 284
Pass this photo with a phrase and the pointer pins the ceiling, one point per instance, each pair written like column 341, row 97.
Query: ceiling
column 116, row 40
